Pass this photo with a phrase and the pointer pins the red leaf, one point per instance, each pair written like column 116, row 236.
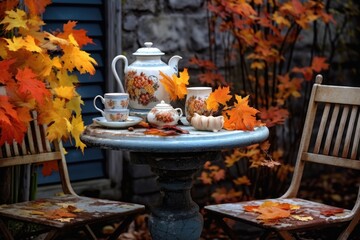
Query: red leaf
column 30, row 84
column 5, row 73
column 331, row 212
column 49, row 167
column 37, row 7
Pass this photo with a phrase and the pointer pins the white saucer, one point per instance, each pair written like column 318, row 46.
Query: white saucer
column 131, row 121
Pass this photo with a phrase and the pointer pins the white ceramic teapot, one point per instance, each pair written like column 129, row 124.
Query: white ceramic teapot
column 164, row 114
column 142, row 77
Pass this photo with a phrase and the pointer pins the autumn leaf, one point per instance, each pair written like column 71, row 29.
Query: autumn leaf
column 5, row 73
column 274, row 116
column 241, row 116
column 66, row 92
column 222, row 195
column 73, row 58
column 49, row 167
column 79, row 35
column 272, row 213
column 302, row 218
column 218, row 97
column 331, row 212
column 205, row 178
column 15, row 19
column 30, row 84
column 318, row 64
column 244, row 180
column 7, row 5
column 76, row 128
column 176, row 86
column 37, row 6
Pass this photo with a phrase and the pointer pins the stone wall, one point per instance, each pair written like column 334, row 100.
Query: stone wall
column 175, row 27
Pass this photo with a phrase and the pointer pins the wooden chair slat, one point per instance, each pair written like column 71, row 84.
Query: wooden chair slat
column 349, row 132
column 340, row 131
column 339, row 95
column 331, row 160
column 29, row 159
column 321, row 131
column 355, row 146
column 331, row 129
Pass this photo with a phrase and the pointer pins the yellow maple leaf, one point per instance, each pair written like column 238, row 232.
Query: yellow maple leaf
column 76, row 130
column 220, row 96
column 75, row 104
column 30, row 44
column 66, row 92
column 175, row 86
column 15, row 19
column 15, row 43
column 74, row 57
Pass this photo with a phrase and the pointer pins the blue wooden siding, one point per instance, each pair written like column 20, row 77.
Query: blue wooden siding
column 89, row 15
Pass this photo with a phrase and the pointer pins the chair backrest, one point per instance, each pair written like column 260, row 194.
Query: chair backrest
column 331, row 132
column 36, row 149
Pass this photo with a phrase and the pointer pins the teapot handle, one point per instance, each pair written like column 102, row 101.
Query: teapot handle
column 113, row 68
column 179, row 111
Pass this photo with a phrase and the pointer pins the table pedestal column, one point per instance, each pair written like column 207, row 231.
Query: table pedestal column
column 177, row 216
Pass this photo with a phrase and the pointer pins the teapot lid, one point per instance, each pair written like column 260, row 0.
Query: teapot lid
column 148, row 50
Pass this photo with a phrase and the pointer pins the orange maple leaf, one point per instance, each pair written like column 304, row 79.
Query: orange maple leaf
column 79, row 34
column 176, row 86
column 218, row 97
column 272, row 213
column 318, row 64
column 11, row 126
column 37, row 7
column 241, row 116
column 29, row 84
column 6, row 6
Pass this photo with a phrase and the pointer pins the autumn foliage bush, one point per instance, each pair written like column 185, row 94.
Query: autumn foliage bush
column 252, row 48
column 37, row 69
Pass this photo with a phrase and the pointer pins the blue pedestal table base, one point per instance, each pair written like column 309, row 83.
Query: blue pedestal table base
column 176, row 216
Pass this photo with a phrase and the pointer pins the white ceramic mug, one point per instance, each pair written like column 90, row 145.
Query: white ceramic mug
column 113, row 101
column 196, row 101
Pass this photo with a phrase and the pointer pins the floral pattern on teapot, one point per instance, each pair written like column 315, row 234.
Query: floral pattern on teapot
column 141, row 87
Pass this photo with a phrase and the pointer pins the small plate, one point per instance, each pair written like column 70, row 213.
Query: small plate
column 131, row 121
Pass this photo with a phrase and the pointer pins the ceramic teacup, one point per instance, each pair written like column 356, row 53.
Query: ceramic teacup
column 115, row 115
column 113, row 101
column 196, row 101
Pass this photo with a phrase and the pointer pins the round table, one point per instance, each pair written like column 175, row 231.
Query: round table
column 174, row 159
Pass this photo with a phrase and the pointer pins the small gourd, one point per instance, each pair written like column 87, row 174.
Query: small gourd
column 207, row 123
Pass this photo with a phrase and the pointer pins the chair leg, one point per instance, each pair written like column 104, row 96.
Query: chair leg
column 53, row 234
column 124, row 224
column 286, row 235
column 220, row 221
column 5, row 231
column 348, row 230
column 89, row 232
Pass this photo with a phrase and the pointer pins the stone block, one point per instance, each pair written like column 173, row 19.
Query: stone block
column 176, row 4
column 130, row 22
column 140, row 5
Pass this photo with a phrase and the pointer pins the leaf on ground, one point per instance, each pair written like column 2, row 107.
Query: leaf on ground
column 272, row 213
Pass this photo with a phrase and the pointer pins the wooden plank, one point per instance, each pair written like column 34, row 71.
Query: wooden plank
column 337, row 94
column 340, row 131
column 331, row 160
column 29, row 159
column 331, row 129
column 355, row 146
column 322, row 128
column 349, row 131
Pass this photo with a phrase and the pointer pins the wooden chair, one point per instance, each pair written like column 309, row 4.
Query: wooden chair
column 331, row 136
column 35, row 149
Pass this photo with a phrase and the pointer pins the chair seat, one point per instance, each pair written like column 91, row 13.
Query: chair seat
column 85, row 210
column 307, row 209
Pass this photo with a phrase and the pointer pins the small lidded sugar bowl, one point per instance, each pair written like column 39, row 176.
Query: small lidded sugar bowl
column 164, row 114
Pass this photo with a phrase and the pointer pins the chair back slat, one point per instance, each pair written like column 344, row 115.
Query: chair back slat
column 350, row 131
column 355, row 147
column 340, row 131
column 321, row 129
column 330, row 131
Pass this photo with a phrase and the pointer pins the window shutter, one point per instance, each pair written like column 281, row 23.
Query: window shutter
column 89, row 15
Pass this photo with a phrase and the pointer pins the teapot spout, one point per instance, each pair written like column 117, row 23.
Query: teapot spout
column 173, row 62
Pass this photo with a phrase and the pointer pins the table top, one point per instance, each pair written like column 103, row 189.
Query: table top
column 195, row 141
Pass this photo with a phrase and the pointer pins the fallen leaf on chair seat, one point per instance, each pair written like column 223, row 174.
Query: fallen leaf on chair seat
column 64, row 219
column 302, row 218
column 58, row 214
column 34, row 212
column 331, row 212
column 272, row 213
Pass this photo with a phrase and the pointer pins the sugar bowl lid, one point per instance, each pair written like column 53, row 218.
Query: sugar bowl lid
column 164, row 106
column 148, row 50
